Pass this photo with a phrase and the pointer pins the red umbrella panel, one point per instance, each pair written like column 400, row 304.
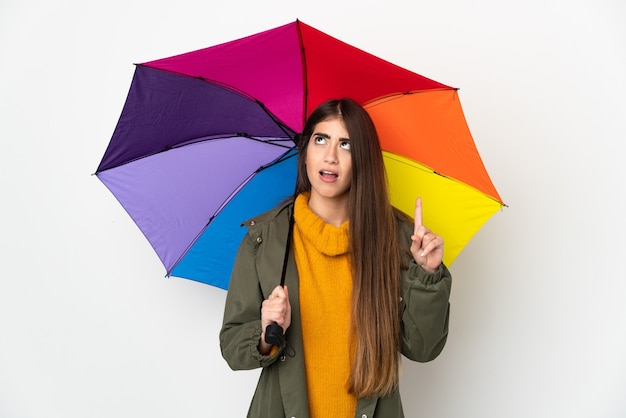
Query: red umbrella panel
column 206, row 140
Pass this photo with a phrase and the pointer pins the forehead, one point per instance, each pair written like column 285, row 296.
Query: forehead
column 334, row 125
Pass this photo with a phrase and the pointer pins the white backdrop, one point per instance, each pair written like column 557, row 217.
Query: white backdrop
column 90, row 328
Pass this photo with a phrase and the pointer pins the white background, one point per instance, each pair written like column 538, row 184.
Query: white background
column 89, row 327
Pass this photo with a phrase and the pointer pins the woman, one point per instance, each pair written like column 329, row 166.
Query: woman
column 363, row 284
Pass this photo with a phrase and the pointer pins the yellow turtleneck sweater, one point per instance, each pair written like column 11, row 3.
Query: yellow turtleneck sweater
column 321, row 254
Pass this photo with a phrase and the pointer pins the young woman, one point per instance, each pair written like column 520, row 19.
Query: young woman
column 363, row 284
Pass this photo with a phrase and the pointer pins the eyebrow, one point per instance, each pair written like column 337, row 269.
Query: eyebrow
column 323, row 135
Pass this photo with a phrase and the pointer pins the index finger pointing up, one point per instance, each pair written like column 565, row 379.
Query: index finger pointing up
column 418, row 213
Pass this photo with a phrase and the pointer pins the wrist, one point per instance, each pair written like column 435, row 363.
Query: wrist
column 263, row 347
column 427, row 270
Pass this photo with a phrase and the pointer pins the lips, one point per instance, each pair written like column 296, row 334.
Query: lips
column 329, row 176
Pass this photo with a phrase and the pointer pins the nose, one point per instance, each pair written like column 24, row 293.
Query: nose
column 330, row 156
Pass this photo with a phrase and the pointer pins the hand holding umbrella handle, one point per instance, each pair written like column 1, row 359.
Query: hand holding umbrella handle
column 274, row 333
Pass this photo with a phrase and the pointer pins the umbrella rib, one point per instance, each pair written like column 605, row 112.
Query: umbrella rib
column 248, row 96
column 305, row 79
column 394, row 96
column 266, row 140
column 269, row 141
column 204, row 79
column 287, row 155
column 279, row 123
column 280, row 159
column 427, row 169
column 234, row 89
column 237, row 90
column 274, row 142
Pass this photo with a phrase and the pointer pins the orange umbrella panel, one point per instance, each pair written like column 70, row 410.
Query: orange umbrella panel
column 429, row 127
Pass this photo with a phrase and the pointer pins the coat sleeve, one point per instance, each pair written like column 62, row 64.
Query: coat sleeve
column 241, row 326
column 425, row 310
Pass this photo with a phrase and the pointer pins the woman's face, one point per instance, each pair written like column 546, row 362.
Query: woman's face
column 328, row 160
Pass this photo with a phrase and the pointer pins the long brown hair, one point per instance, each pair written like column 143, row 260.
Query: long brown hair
column 374, row 251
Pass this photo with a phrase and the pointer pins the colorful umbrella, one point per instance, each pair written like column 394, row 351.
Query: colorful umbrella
column 206, row 140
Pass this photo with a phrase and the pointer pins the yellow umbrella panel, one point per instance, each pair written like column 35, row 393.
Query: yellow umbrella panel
column 452, row 209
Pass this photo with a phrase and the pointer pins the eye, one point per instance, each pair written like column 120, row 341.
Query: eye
column 345, row 145
column 319, row 139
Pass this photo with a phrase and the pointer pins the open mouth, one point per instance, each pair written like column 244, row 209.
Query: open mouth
column 328, row 174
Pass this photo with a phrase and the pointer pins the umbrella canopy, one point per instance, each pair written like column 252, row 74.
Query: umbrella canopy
column 206, row 140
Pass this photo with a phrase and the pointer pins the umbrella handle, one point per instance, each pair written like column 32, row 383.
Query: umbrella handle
column 274, row 334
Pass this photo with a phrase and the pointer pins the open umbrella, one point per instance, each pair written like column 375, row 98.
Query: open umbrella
column 206, row 140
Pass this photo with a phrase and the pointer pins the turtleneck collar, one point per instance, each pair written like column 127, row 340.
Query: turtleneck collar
column 327, row 239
